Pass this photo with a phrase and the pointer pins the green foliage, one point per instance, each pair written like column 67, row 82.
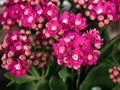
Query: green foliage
column 64, row 74
column 56, row 83
column 42, row 84
column 117, row 87
column 20, row 80
column 98, row 76
column 108, row 45
column 27, row 86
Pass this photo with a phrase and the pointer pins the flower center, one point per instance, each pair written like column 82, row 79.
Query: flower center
column 30, row 19
column 99, row 11
column 75, row 56
column 19, row 47
column 54, row 27
column 18, row 67
column 89, row 57
column 49, row 12
column 65, row 21
column 67, row 40
column 16, row 1
column 77, row 22
column 62, row 49
column 26, row 12
column 14, row 37
column 39, row 12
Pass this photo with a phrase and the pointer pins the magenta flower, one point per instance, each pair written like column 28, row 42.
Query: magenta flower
column 60, row 48
column 75, row 49
column 99, row 8
column 29, row 20
column 18, row 68
column 15, row 11
column 50, row 11
column 65, row 20
column 53, row 27
column 39, row 10
column 91, row 58
column 94, row 38
column 80, row 22
column 76, row 58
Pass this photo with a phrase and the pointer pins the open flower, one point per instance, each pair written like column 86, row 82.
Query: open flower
column 18, row 68
column 53, row 27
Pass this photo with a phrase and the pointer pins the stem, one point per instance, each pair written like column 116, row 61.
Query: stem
column 77, row 81
column 47, row 71
column 10, row 83
column 108, row 45
column 35, row 72
column 43, row 72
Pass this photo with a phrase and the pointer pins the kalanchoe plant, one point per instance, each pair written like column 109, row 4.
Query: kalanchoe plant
column 57, row 49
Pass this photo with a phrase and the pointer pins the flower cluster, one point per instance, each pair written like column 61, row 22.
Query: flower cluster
column 43, row 26
column 65, row 22
column 21, row 49
column 16, row 45
column 102, row 10
column 75, row 49
column 28, row 13
column 115, row 74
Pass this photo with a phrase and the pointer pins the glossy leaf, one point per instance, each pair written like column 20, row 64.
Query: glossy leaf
column 116, row 88
column 56, row 83
column 27, row 86
column 99, row 77
column 20, row 80
column 64, row 74
column 42, row 85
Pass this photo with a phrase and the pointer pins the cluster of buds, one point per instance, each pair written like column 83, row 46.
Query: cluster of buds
column 22, row 49
column 115, row 74
column 102, row 10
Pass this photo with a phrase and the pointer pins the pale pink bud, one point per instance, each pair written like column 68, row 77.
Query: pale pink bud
column 22, row 57
column 35, row 62
column 29, row 62
column 27, row 53
column 87, row 13
column 100, row 24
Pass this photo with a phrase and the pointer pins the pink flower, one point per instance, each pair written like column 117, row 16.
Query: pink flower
column 60, row 48
column 91, row 58
column 76, row 58
column 15, row 11
column 110, row 8
column 75, row 49
column 80, row 22
column 53, row 27
column 29, row 20
column 94, row 38
column 26, row 9
column 50, row 11
column 18, row 68
column 66, row 20
column 39, row 10
column 99, row 9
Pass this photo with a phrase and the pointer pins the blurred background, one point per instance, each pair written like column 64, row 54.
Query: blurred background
column 113, row 30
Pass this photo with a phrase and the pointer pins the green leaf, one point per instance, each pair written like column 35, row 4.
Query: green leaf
column 116, row 87
column 107, row 46
column 27, row 86
column 64, row 74
column 98, row 76
column 20, row 80
column 42, row 85
column 56, row 83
